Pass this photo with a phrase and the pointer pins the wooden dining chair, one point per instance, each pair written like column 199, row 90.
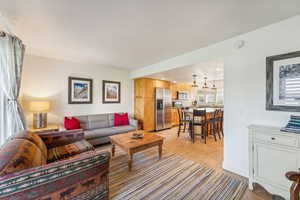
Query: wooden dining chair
column 215, row 124
column 221, row 122
column 199, row 119
column 184, row 120
column 295, row 188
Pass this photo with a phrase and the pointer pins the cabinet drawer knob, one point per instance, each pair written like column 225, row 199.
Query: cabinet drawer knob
column 272, row 138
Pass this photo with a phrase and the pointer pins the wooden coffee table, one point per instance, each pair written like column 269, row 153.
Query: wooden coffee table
column 132, row 146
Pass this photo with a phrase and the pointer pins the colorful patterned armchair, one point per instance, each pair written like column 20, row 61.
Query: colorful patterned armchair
column 52, row 166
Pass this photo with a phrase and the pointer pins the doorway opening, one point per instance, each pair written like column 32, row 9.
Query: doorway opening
column 195, row 87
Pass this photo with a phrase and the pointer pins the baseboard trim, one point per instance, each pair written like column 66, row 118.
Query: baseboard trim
column 235, row 170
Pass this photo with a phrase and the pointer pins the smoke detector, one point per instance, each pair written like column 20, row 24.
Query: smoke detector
column 239, row 44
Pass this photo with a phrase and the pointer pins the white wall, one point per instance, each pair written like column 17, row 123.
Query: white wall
column 45, row 78
column 245, row 83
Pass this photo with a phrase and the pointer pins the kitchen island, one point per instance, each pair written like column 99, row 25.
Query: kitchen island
column 219, row 106
column 210, row 109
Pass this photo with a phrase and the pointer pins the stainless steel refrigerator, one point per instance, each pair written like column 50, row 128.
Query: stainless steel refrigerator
column 163, row 109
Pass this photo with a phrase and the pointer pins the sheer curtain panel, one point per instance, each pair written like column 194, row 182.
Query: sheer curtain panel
column 12, row 118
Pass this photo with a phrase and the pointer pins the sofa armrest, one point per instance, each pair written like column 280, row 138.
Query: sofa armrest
column 85, row 177
column 133, row 122
column 59, row 138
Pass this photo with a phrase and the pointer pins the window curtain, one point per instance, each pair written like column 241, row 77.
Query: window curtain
column 12, row 117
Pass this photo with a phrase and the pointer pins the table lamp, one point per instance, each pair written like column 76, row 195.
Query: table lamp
column 39, row 109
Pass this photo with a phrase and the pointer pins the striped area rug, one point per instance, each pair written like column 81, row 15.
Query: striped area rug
column 172, row 178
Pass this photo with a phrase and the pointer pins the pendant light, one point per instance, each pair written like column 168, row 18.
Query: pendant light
column 194, row 81
column 205, row 86
column 214, row 85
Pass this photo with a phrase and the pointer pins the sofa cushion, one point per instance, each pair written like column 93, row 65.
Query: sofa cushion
column 101, row 132
column 84, row 122
column 98, row 121
column 34, row 138
column 19, row 154
column 124, row 129
column 104, row 132
column 66, row 151
column 111, row 119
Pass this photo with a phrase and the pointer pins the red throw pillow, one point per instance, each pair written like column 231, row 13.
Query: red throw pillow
column 121, row 119
column 72, row 123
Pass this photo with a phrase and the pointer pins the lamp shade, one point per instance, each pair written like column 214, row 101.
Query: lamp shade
column 39, row 106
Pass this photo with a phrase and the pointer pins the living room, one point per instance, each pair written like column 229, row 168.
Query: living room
column 77, row 67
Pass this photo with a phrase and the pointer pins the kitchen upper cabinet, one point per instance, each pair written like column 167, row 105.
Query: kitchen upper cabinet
column 174, row 90
column 162, row 84
column 180, row 87
column 138, row 87
column 149, row 88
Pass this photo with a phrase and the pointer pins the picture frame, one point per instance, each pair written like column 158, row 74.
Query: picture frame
column 111, row 92
column 80, row 90
column 283, row 82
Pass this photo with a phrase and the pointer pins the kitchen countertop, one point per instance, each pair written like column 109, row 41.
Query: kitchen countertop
column 208, row 109
column 210, row 106
column 202, row 106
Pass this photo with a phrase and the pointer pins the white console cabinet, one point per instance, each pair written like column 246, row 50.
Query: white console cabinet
column 272, row 153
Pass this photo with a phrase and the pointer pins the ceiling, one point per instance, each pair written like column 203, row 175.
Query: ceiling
column 213, row 70
column 135, row 33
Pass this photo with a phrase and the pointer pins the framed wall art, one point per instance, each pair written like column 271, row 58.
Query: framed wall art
column 80, row 90
column 283, row 82
column 111, row 92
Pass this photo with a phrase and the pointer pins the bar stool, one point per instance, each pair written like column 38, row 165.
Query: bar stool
column 215, row 124
column 199, row 119
column 221, row 122
column 184, row 120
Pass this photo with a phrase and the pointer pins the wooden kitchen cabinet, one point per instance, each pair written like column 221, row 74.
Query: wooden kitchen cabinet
column 138, row 88
column 144, row 101
column 144, row 108
column 174, row 90
column 175, row 117
column 149, row 88
column 175, row 87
